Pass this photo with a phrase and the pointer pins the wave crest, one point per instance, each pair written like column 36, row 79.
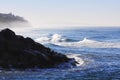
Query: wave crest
column 59, row 40
column 91, row 44
column 52, row 39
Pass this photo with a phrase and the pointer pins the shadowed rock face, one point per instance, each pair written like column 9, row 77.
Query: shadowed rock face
column 22, row 53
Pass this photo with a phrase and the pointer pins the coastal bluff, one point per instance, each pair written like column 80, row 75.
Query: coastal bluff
column 12, row 21
column 18, row 52
column 8, row 18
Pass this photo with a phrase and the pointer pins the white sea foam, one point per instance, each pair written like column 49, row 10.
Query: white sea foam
column 43, row 39
column 77, row 57
column 90, row 43
column 55, row 38
column 59, row 40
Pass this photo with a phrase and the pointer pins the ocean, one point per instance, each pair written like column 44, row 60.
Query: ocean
column 97, row 50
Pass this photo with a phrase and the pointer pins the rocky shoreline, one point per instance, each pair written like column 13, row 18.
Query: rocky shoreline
column 22, row 53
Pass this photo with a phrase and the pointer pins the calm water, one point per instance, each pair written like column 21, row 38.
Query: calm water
column 96, row 49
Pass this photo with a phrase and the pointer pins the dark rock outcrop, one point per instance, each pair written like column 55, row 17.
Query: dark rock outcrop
column 22, row 53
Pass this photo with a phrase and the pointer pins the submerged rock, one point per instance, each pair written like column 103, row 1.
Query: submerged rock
column 22, row 53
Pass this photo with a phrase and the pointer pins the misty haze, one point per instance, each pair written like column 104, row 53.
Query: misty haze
column 59, row 39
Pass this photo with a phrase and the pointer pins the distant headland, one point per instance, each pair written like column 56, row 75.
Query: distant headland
column 8, row 20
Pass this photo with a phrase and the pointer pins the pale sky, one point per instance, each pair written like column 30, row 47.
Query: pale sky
column 59, row 13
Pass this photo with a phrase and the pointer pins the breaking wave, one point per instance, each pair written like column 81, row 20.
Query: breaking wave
column 52, row 39
column 81, row 61
column 59, row 40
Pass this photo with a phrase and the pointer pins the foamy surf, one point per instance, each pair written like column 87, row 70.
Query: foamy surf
column 89, row 43
column 94, row 64
column 59, row 40
column 78, row 58
column 55, row 38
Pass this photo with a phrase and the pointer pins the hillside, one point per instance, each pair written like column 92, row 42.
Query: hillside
column 10, row 20
column 7, row 18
